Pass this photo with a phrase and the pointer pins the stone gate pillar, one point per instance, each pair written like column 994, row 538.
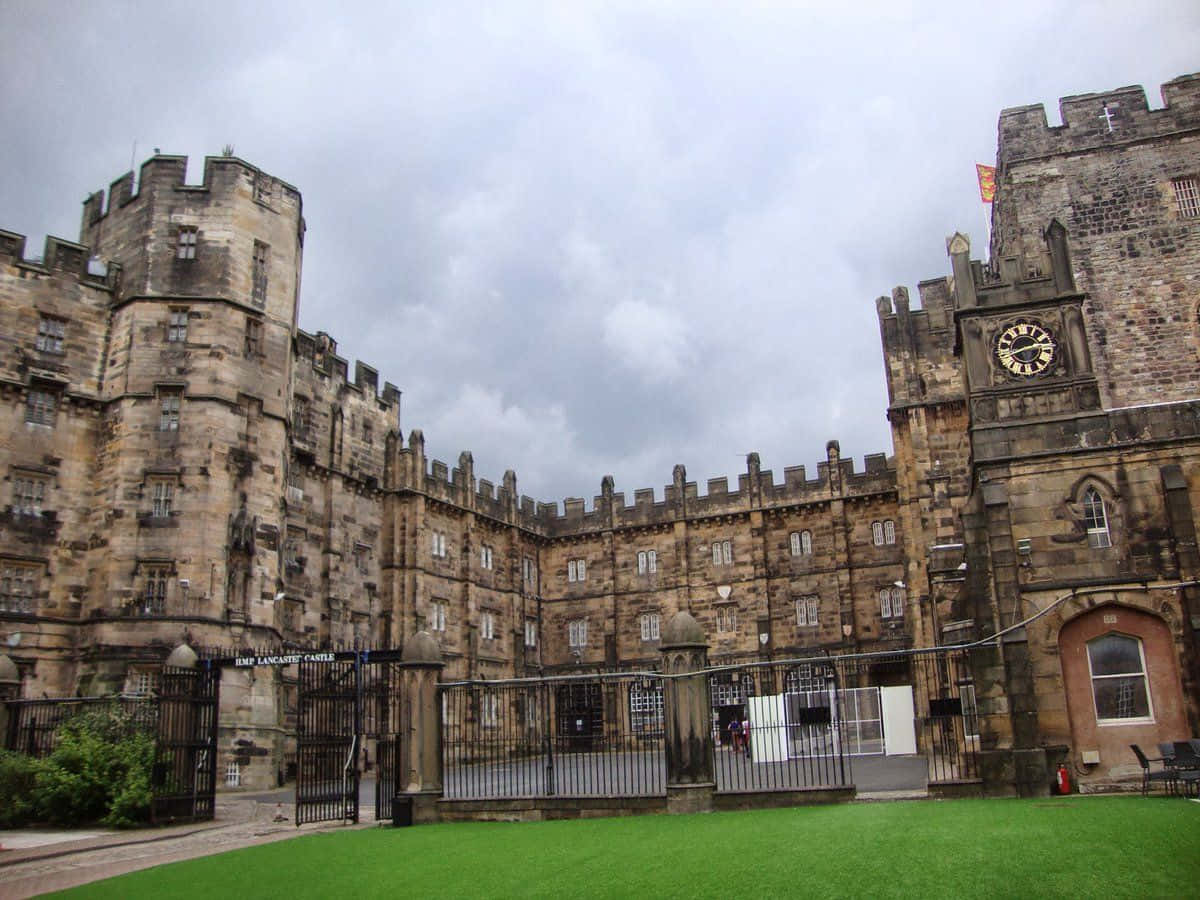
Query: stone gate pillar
column 419, row 763
column 687, row 716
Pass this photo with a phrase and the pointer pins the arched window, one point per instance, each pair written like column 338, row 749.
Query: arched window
column 1095, row 520
column 877, row 533
column 1118, row 669
column 889, row 532
column 801, row 542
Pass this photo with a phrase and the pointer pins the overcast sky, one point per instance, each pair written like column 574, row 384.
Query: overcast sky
column 583, row 238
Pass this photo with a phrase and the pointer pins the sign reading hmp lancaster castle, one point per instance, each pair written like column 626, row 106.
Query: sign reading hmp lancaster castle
column 184, row 464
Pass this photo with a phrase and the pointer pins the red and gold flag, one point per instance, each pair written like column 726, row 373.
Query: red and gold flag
column 987, row 182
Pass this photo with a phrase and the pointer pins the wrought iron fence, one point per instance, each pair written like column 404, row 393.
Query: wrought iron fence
column 948, row 725
column 778, row 727
column 33, row 725
column 573, row 737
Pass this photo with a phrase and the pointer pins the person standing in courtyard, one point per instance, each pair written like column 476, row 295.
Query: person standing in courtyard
column 735, row 732
column 746, row 735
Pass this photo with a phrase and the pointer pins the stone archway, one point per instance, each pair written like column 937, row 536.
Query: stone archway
column 1109, row 704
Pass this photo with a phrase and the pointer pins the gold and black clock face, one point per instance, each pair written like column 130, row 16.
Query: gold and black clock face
column 1025, row 348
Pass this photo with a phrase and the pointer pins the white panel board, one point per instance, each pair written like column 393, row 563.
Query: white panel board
column 899, row 725
column 768, row 729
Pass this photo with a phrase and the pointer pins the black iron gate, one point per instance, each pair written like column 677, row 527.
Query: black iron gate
column 328, row 725
column 381, row 726
column 184, row 777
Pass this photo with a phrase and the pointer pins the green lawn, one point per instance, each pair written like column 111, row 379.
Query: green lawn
column 1069, row 847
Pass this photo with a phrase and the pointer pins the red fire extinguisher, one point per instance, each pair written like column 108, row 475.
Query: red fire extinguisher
column 1062, row 783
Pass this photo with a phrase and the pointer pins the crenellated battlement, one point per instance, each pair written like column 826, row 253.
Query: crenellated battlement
column 161, row 173
column 320, row 352
column 756, row 490
column 1097, row 120
column 61, row 256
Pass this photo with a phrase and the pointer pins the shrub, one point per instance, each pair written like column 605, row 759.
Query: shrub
column 99, row 772
column 18, row 778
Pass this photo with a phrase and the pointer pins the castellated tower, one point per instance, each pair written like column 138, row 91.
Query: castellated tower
column 191, row 451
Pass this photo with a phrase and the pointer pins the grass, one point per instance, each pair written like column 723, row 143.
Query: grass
column 1065, row 847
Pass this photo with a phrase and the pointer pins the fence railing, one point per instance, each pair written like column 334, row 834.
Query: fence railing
column 33, row 725
column 778, row 727
column 577, row 737
column 948, row 722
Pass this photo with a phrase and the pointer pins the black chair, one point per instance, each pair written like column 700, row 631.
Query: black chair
column 1187, row 767
column 1165, row 775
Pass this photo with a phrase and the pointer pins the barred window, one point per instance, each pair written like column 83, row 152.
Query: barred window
column 801, row 543
column 177, row 326
column 807, row 611
column 485, row 556
column 650, row 626
column 29, row 493
column 437, row 616
column 438, row 541
column 891, row 603
column 646, row 707
column 489, row 710
column 253, row 343
column 233, row 774
column 647, row 562
column 1187, row 197
column 528, row 570
column 40, row 407
column 50, row 334
column 1095, row 520
column 140, row 683
column 726, row 618
column 487, row 626
column 577, row 633
column 889, row 531
column 163, row 493
column 722, row 553
column 258, row 291
column 576, row 570
column 531, row 632
column 18, row 584
column 154, row 591
column 185, row 242
column 300, row 411
column 168, row 410
column 805, row 679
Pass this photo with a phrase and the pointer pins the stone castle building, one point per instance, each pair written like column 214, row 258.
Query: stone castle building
column 182, row 463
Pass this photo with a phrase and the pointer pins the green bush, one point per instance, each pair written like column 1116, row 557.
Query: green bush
column 18, row 778
column 99, row 772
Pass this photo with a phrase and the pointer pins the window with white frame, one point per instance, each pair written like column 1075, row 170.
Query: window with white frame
column 1095, row 520
column 177, row 326
column 528, row 570
column 438, row 542
column 156, row 579
column 50, row 334
column 576, row 570
column 801, row 543
column 1187, row 197
column 650, row 626
column 1118, row 668
column 487, row 626
column 29, row 494
column 646, row 707
column 808, row 611
column 722, row 553
column 40, row 407
column 18, row 584
column 883, row 532
column 891, row 603
column 485, row 556
column 162, row 493
column 185, row 242
column 577, row 633
column 233, row 774
column 805, row 679
column 140, row 682
column 647, row 562
column 437, row 615
column 532, row 710
column 168, row 410
column 489, row 710
column 726, row 619
column 531, row 632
